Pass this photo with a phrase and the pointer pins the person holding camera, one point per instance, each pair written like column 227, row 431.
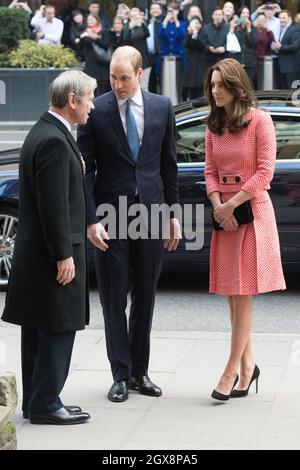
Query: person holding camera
column 21, row 4
column 136, row 33
column 269, row 10
column 245, row 33
column 94, row 67
column 171, row 36
column 195, row 60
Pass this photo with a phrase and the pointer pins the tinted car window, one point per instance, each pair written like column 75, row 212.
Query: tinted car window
column 191, row 142
column 191, row 139
column 288, row 137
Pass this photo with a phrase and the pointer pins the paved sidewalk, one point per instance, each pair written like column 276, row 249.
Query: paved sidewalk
column 187, row 366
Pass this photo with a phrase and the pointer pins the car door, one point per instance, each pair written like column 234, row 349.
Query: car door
column 285, row 187
column 191, row 252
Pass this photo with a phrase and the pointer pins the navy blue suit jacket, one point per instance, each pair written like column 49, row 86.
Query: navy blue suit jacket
column 289, row 54
column 111, row 169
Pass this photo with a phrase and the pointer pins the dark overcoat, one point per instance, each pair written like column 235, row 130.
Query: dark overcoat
column 51, row 227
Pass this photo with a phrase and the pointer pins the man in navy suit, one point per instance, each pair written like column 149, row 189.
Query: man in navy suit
column 288, row 50
column 129, row 147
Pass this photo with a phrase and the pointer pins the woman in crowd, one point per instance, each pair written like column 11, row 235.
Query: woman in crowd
column 246, row 35
column 195, row 60
column 93, row 67
column 262, row 46
column 77, row 27
column 116, row 33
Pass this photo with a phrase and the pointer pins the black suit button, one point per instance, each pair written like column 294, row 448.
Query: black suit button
column 224, row 179
column 237, row 179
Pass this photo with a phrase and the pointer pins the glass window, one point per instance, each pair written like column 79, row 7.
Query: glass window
column 288, row 137
column 191, row 139
column 191, row 142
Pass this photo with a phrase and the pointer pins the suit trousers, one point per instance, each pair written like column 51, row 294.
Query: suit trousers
column 46, row 358
column 135, row 266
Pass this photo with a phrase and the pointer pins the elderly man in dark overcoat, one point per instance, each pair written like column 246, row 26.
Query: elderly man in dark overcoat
column 48, row 292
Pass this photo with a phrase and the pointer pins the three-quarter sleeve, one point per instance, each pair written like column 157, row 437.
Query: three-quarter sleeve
column 211, row 170
column 265, row 156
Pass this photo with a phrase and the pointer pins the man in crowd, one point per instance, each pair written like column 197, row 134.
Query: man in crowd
column 49, row 29
column 288, row 50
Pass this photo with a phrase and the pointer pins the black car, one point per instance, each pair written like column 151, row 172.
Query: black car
column 285, row 187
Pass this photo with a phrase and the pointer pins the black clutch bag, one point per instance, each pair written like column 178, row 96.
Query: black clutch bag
column 242, row 213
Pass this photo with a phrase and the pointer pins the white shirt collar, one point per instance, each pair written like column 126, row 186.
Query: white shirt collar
column 61, row 119
column 137, row 98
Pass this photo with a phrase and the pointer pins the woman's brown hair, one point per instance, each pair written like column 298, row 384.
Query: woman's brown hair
column 237, row 82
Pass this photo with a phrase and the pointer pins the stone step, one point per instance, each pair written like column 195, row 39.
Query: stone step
column 8, row 439
column 5, row 415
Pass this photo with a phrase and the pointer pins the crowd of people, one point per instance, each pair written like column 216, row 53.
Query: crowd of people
column 175, row 28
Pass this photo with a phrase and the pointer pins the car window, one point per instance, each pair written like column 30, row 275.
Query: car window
column 191, row 139
column 288, row 137
column 191, row 142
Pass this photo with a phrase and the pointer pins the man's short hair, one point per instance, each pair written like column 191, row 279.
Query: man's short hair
column 130, row 53
column 71, row 81
column 289, row 14
column 217, row 9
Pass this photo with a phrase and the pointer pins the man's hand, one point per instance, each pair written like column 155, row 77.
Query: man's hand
column 65, row 271
column 39, row 35
column 173, row 235
column 96, row 235
column 276, row 45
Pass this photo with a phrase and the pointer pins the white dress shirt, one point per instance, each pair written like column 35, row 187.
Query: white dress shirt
column 137, row 107
column 52, row 30
column 283, row 31
column 273, row 25
column 61, row 119
column 151, row 39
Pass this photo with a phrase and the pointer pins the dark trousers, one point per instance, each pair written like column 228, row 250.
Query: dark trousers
column 154, row 80
column 136, row 264
column 286, row 80
column 46, row 358
column 193, row 93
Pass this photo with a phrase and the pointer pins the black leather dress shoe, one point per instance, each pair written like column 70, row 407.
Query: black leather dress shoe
column 118, row 391
column 70, row 408
column 144, row 385
column 61, row 416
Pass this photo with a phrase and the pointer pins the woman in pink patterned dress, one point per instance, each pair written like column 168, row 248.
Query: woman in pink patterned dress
column 244, row 260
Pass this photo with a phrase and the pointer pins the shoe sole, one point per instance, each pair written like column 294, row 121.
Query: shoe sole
column 115, row 400
column 146, row 393
column 49, row 421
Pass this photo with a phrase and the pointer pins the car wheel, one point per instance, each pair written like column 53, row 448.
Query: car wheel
column 8, row 231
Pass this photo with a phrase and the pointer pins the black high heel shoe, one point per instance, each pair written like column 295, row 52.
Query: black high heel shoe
column 244, row 393
column 221, row 396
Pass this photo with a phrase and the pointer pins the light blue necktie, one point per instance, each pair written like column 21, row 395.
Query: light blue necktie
column 132, row 132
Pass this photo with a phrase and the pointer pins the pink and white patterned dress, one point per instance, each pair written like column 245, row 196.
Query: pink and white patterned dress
column 247, row 261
